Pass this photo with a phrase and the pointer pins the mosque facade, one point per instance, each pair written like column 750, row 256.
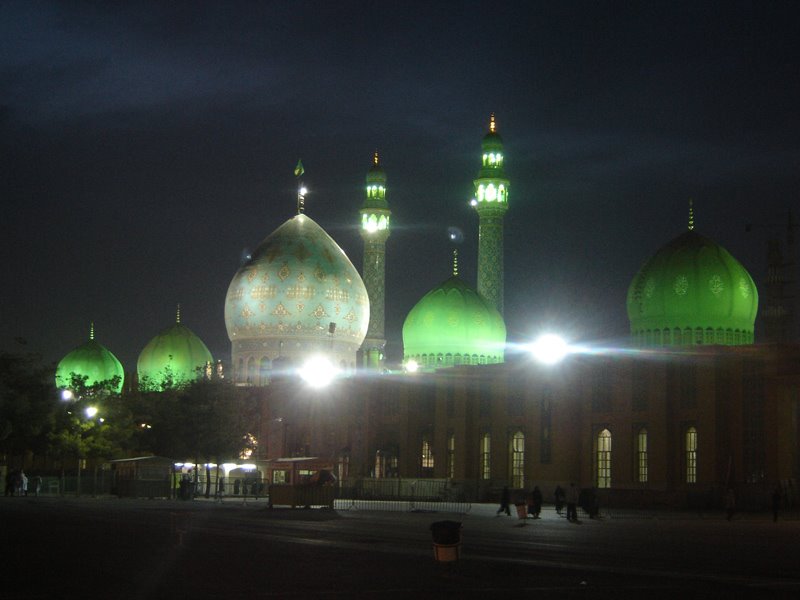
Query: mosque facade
column 692, row 408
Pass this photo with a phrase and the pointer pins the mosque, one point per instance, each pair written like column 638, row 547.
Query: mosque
column 692, row 408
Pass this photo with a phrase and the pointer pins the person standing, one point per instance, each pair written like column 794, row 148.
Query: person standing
column 730, row 503
column 776, row 502
column 36, row 482
column 559, row 498
column 505, row 501
column 536, row 502
column 572, row 502
column 23, row 484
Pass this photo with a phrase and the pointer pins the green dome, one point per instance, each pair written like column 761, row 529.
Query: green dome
column 692, row 291
column 451, row 325
column 298, row 295
column 93, row 361
column 172, row 358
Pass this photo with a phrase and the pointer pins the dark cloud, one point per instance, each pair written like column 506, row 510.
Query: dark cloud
column 145, row 144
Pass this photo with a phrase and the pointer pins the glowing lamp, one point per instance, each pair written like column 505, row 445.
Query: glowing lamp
column 90, row 411
column 549, row 349
column 412, row 366
column 318, row 372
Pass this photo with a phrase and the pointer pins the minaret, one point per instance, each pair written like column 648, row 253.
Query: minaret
column 375, row 216
column 491, row 203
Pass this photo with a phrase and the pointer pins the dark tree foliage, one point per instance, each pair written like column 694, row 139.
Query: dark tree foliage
column 207, row 420
column 28, row 401
column 106, row 433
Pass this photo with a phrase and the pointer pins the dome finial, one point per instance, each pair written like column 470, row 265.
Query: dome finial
column 301, row 190
column 376, row 159
column 492, row 124
column 455, row 262
column 178, row 315
column 691, row 214
column 91, row 330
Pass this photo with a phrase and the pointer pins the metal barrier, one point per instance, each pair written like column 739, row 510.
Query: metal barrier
column 400, row 495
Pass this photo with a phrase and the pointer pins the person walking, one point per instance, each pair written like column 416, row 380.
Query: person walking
column 572, row 502
column 505, row 501
column 559, row 496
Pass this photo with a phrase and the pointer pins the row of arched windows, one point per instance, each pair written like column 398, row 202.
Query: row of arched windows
column 453, row 360
column 603, row 457
column 693, row 337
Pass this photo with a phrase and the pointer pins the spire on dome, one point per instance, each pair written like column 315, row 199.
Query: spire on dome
column 492, row 124
column 691, row 214
column 455, row 262
column 91, row 330
column 301, row 190
column 376, row 159
column 178, row 315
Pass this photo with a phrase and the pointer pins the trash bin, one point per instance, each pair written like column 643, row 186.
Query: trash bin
column 446, row 540
column 522, row 510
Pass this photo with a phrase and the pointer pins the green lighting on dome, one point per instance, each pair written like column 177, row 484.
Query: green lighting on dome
column 692, row 291
column 453, row 325
column 91, row 361
column 173, row 358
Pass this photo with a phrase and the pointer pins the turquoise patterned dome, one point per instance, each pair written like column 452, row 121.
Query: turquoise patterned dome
column 298, row 295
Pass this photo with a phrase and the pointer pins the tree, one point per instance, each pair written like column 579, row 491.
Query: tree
column 28, row 401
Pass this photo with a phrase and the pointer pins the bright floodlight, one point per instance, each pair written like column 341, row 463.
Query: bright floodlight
column 318, row 372
column 412, row 366
column 303, row 191
column 90, row 411
column 67, row 395
column 549, row 349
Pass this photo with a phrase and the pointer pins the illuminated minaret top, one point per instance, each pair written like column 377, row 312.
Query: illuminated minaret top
column 491, row 203
column 375, row 216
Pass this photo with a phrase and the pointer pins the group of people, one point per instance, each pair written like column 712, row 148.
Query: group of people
column 571, row 498
column 17, row 483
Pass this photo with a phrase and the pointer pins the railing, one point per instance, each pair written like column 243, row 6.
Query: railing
column 400, row 495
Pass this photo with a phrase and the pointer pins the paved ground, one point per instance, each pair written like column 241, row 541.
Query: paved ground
column 110, row 548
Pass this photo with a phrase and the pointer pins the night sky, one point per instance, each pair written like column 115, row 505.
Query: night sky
column 147, row 147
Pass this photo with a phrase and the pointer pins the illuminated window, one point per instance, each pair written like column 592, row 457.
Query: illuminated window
column 501, row 193
column 604, row 459
column 481, row 193
column 485, row 159
column 486, row 456
column 691, row 455
column 382, row 222
column 518, row 460
column 451, row 455
column 427, row 453
column 491, row 193
column 641, row 456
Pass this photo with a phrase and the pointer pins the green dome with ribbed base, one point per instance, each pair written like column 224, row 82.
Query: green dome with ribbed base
column 173, row 358
column 452, row 325
column 93, row 361
column 692, row 291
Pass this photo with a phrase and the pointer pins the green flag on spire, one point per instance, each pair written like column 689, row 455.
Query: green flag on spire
column 299, row 170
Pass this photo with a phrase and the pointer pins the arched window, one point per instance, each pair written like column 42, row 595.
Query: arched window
column 264, row 369
column 426, row 457
column 451, row 455
column 517, row 460
column 486, row 456
column 641, row 456
column 251, row 370
column 604, row 459
column 240, row 375
column 691, row 455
